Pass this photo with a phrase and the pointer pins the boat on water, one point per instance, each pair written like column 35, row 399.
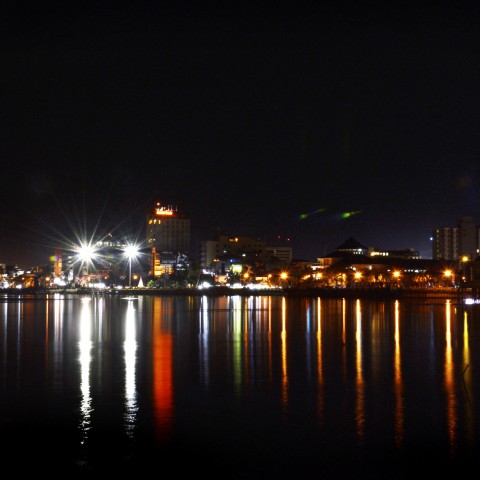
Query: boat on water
column 471, row 301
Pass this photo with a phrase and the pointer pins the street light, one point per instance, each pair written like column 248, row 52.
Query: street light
column 131, row 251
column 85, row 254
column 449, row 274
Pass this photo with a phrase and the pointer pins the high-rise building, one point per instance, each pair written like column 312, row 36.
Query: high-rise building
column 168, row 236
column 453, row 243
column 467, row 238
column 445, row 243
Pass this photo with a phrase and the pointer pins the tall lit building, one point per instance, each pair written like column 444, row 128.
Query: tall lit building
column 168, row 236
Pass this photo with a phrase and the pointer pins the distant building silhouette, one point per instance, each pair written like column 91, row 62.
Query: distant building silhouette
column 219, row 256
column 353, row 253
column 454, row 243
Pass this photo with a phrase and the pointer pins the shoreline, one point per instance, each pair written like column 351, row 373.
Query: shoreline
column 373, row 293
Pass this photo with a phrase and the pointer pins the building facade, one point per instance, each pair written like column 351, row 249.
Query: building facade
column 283, row 254
column 225, row 246
column 467, row 238
column 454, row 243
column 168, row 237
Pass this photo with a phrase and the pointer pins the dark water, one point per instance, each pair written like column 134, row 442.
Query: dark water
column 238, row 387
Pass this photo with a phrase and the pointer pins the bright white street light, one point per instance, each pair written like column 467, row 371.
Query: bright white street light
column 131, row 251
column 85, row 254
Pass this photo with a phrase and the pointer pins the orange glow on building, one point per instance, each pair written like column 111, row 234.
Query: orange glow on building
column 168, row 230
column 57, row 265
column 164, row 211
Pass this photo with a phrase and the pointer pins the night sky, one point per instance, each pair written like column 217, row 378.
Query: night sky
column 254, row 119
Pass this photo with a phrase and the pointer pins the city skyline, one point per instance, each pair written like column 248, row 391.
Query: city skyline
column 313, row 122
column 87, row 232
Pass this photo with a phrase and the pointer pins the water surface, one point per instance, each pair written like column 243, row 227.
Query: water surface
column 238, row 387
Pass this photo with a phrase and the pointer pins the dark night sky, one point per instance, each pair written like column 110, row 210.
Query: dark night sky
column 243, row 117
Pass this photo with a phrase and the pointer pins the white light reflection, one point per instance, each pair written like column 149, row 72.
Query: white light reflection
column 203, row 339
column 236, row 308
column 19, row 328
column 85, row 347
column 58, row 307
column 308, row 346
column 130, row 348
column 4, row 343
column 99, row 311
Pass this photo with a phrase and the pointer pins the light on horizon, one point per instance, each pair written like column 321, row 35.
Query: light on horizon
column 130, row 251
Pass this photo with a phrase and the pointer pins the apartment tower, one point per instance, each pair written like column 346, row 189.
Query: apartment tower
column 168, row 236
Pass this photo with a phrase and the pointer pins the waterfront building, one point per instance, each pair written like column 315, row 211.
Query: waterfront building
column 243, row 247
column 231, row 247
column 168, row 237
column 351, row 263
column 282, row 254
column 457, row 243
column 407, row 253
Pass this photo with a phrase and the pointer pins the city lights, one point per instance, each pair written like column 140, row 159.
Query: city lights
column 131, row 252
column 85, row 253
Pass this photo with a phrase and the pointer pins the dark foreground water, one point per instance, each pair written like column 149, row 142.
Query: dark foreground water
column 238, row 387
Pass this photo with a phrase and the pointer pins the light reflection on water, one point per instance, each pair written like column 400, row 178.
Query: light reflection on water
column 263, row 385
column 85, row 348
column 130, row 346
